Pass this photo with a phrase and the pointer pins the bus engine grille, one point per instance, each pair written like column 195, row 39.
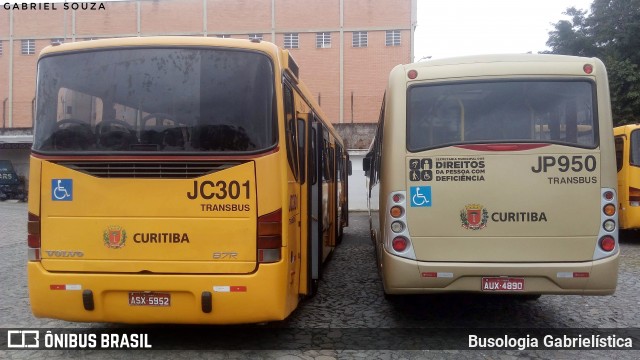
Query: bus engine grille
column 147, row 169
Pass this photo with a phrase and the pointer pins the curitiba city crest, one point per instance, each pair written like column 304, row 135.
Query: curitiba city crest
column 474, row 217
column 114, row 237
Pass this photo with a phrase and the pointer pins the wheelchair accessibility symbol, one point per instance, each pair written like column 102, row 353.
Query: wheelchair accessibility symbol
column 61, row 189
column 420, row 196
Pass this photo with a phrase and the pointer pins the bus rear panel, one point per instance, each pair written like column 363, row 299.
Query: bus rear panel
column 627, row 141
column 505, row 182
column 161, row 189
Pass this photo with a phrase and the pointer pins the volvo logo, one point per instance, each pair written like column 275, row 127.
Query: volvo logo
column 64, row 253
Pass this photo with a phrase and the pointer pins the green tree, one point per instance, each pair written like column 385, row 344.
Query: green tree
column 611, row 32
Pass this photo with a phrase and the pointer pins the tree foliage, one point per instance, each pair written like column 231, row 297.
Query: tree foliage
column 611, row 32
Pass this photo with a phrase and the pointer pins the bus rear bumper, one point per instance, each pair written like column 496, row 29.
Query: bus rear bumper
column 234, row 298
column 404, row 276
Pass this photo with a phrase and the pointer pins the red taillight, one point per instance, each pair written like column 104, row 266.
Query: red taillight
column 397, row 198
column 33, row 237
column 588, row 68
column 608, row 195
column 270, row 237
column 412, row 74
column 399, row 244
column 607, row 243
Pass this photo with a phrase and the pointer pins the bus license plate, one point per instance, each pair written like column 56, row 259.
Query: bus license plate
column 149, row 299
column 502, row 284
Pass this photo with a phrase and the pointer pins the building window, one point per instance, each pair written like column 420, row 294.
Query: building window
column 28, row 47
column 323, row 40
column 223, row 36
column 291, row 40
column 255, row 37
column 57, row 41
column 393, row 38
column 359, row 39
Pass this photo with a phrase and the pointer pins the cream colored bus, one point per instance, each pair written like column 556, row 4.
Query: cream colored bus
column 496, row 174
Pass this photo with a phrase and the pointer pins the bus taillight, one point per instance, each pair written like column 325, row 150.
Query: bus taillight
column 609, row 209
column 399, row 244
column 270, row 237
column 397, row 211
column 398, row 239
column 33, row 237
column 608, row 234
column 608, row 195
column 607, row 243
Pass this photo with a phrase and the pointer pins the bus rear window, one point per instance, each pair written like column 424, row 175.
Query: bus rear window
column 503, row 111
column 155, row 99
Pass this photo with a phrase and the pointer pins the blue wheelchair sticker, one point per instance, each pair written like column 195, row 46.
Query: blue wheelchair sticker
column 420, row 196
column 62, row 189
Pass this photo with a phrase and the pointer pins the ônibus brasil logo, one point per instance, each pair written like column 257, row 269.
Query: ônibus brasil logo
column 114, row 237
column 474, row 217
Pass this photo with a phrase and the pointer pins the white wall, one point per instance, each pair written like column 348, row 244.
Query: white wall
column 357, row 183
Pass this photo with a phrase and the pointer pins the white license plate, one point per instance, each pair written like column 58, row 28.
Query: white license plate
column 502, row 284
column 149, row 299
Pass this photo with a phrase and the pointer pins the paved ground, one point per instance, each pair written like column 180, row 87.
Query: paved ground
column 348, row 306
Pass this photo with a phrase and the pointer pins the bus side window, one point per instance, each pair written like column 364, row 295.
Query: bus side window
column 301, row 150
column 313, row 159
column 619, row 140
column 291, row 133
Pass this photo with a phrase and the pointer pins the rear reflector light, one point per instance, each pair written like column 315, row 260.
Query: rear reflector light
column 607, row 243
column 270, row 237
column 399, row 244
column 33, row 237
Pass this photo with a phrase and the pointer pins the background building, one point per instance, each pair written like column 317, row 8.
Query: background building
column 345, row 49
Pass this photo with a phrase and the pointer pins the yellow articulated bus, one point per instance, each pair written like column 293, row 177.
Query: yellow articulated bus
column 627, row 141
column 179, row 180
column 495, row 174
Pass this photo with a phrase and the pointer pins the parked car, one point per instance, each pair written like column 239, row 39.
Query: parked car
column 12, row 186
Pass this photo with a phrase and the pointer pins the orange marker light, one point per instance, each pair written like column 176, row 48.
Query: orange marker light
column 396, row 211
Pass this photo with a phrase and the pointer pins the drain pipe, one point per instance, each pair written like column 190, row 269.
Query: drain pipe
column 4, row 114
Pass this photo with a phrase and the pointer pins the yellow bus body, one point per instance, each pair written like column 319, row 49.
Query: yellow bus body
column 628, row 175
column 475, row 199
column 142, row 236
